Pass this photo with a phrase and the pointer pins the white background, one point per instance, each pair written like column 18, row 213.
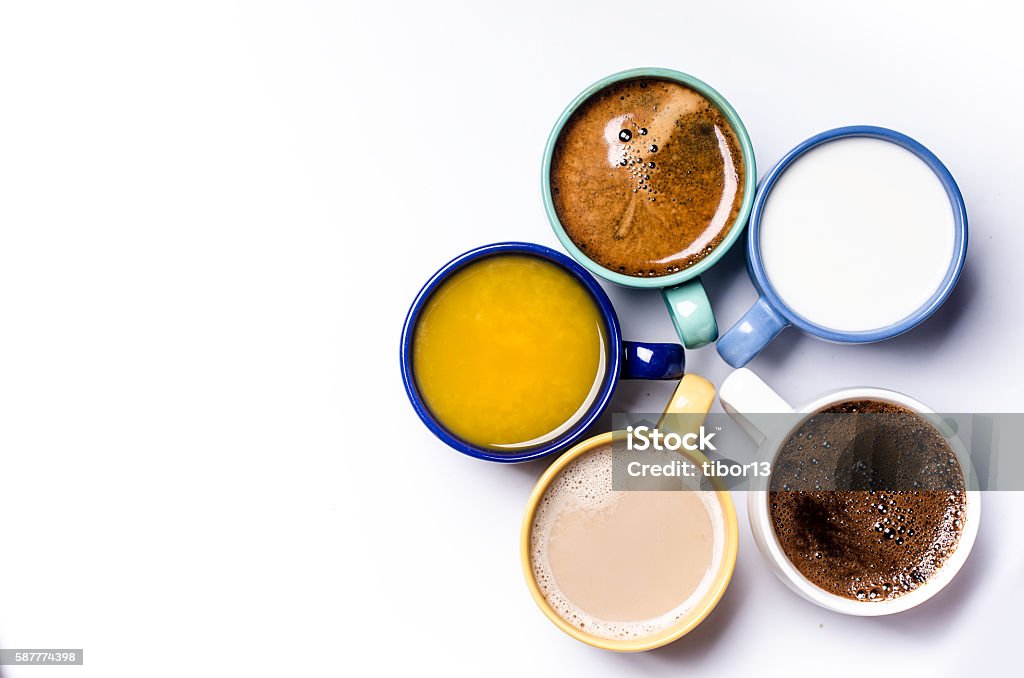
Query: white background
column 213, row 216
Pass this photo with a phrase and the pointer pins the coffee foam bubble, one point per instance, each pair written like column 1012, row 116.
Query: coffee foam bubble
column 586, row 483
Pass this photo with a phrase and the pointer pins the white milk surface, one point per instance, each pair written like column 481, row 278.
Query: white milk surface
column 857, row 234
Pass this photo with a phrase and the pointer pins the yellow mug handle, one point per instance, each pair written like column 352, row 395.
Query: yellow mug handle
column 689, row 406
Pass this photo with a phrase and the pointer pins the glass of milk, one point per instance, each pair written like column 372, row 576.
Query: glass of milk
column 858, row 234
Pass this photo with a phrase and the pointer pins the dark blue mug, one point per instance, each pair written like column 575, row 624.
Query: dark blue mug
column 626, row 359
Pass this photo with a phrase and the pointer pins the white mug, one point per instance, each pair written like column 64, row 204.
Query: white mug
column 743, row 395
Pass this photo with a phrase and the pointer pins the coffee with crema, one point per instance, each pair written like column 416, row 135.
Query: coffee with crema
column 647, row 177
column 622, row 564
column 867, row 500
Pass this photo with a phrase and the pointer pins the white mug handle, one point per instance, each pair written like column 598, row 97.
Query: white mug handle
column 745, row 396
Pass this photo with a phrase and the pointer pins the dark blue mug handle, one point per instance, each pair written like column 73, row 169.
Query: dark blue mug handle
column 641, row 360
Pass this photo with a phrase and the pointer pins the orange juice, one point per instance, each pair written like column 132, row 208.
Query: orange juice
column 509, row 352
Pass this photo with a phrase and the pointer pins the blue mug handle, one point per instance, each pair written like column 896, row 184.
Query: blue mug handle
column 641, row 360
column 751, row 333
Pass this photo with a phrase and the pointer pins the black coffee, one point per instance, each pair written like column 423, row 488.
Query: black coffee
column 867, row 500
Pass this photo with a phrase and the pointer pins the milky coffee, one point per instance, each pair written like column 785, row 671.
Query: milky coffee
column 622, row 564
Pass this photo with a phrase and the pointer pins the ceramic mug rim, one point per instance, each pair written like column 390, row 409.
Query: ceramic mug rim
column 749, row 179
column 699, row 612
column 755, row 265
column 760, row 522
column 613, row 366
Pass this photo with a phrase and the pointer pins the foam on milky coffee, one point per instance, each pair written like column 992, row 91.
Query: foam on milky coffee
column 618, row 564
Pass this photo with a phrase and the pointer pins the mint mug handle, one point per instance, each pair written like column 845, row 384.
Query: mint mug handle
column 690, row 310
column 751, row 333
column 641, row 360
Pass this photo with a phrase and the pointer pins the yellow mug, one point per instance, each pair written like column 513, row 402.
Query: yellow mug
column 693, row 398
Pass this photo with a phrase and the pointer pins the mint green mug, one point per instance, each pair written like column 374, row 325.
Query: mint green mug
column 683, row 292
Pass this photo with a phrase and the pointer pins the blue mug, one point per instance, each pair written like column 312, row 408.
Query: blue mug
column 626, row 359
column 772, row 313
